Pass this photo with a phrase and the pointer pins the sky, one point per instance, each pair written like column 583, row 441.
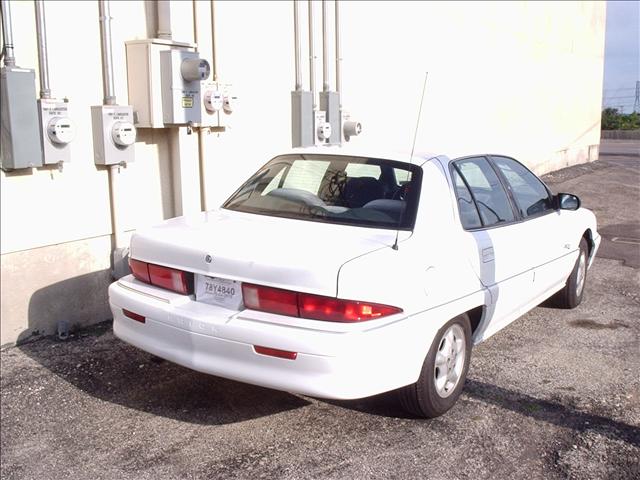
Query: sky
column 622, row 54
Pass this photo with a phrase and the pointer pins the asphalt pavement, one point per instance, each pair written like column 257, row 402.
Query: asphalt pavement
column 554, row 395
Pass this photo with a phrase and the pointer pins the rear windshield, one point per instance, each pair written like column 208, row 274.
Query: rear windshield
column 340, row 189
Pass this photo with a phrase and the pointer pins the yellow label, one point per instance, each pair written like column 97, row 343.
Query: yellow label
column 187, row 102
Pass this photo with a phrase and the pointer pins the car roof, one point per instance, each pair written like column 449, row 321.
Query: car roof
column 418, row 158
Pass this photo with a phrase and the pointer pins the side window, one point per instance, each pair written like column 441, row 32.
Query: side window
column 466, row 206
column 489, row 194
column 530, row 193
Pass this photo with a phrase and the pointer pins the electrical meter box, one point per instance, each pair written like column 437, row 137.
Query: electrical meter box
column 302, row 119
column 56, row 130
column 19, row 126
column 181, row 74
column 330, row 103
column 219, row 102
column 144, row 78
column 114, row 134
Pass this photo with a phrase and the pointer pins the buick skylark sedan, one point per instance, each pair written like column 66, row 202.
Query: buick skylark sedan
column 343, row 276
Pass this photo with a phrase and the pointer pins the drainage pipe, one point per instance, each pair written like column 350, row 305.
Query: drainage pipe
column 325, row 49
column 312, row 58
column 296, row 42
column 338, row 54
column 43, row 57
column 107, row 56
column 7, row 33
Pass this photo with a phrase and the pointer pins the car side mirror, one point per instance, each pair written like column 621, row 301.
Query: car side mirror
column 567, row 201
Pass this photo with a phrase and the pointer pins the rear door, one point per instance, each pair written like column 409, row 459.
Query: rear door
column 494, row 239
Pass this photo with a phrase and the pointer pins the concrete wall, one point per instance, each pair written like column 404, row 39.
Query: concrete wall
column 520, row 78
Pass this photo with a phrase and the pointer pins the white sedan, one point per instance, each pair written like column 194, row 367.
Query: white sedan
column 343, row 276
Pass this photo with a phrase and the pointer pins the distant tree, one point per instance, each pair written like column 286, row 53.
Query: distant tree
column 612, row 119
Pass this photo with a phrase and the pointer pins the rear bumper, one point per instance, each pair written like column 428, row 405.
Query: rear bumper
column 330, row 364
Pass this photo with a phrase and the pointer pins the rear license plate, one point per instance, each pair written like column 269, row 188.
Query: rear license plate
column 219, row 291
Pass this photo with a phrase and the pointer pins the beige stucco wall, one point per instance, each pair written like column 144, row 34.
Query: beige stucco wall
column 523, row 78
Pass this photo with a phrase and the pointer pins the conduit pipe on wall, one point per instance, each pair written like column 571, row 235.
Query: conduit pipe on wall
column 202, row 165
column 214, row 65
column 110, row 99
column 312, row 57
column 43, row 57
column 296, row 43
column 338, row 53
column 7, row 33
column 325, row 49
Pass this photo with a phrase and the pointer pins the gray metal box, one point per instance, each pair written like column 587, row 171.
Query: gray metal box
column 181, row 99
column 302, row 119
column 330, row 104
column 48, row 110
column 103, row 120
column 19, row 126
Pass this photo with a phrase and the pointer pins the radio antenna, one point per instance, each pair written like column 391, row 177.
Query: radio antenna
column 413, row 147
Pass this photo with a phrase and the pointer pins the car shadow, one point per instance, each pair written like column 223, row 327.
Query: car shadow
column 540, row 410
column 97, row 363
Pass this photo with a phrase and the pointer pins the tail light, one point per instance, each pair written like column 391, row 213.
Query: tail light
column 163, row 277
column 315, row 307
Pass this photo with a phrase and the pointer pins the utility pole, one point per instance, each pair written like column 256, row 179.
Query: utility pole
column 636, row 103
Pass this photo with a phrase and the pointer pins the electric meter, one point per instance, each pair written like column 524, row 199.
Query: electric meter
column 229, row 104
column 324, row 131
column 60, row 130
column 213, row 100
column 123, row 134
column 195, row 69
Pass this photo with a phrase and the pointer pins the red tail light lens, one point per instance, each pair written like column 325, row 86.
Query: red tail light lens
column 315, row 307
column 272, row 300
column 169, row 278
column 164, row 277
column 336, row 310
column 140, row 270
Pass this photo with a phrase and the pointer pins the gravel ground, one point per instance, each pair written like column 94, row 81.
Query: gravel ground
column 554, row 395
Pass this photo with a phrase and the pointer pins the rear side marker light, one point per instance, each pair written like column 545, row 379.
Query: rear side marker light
column 314, row 307
column 274, row 352
column 133, row 316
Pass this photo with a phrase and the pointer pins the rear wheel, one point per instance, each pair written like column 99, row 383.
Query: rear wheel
column 443, row 372
column 573, row 292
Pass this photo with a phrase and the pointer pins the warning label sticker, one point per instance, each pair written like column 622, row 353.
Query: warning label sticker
column 187, row 102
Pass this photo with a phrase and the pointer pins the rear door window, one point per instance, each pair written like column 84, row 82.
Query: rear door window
column 488, row 193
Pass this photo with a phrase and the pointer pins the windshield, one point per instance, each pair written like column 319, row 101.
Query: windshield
column 335, row 189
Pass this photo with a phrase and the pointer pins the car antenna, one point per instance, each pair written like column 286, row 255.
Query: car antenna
column 413, row 147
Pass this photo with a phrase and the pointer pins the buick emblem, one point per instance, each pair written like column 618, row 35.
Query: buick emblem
column 208, row 259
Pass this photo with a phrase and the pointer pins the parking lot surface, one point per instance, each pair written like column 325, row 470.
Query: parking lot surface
column 554, row 395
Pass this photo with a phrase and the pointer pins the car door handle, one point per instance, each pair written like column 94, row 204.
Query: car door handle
column 487, row 255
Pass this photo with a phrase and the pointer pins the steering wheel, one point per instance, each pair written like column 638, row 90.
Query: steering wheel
column 335, row 187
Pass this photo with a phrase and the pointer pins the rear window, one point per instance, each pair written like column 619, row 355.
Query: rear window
column 339, row 189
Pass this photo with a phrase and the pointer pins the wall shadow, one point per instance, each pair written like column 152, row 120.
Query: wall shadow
column 97, row 363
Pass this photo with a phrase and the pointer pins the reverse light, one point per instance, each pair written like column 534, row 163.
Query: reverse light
column 314, row 307
column 163, row 277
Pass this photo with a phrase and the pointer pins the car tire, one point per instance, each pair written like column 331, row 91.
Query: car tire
column 429, row 397
column 573, row 292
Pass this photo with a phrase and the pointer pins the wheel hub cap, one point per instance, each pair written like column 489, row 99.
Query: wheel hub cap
column 449, row 362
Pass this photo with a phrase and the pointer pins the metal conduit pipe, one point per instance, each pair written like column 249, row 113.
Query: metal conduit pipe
column 43, row 57
column 107, row 56
column 325, row 49
column 312, row 58
column 110, row 99
column 338, row 52
column 201, row 131
column 7, row 33
column 214, row 65
column 296, row 42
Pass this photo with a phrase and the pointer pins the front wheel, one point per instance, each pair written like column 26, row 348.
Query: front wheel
column 573, row 292
column 443, row 372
